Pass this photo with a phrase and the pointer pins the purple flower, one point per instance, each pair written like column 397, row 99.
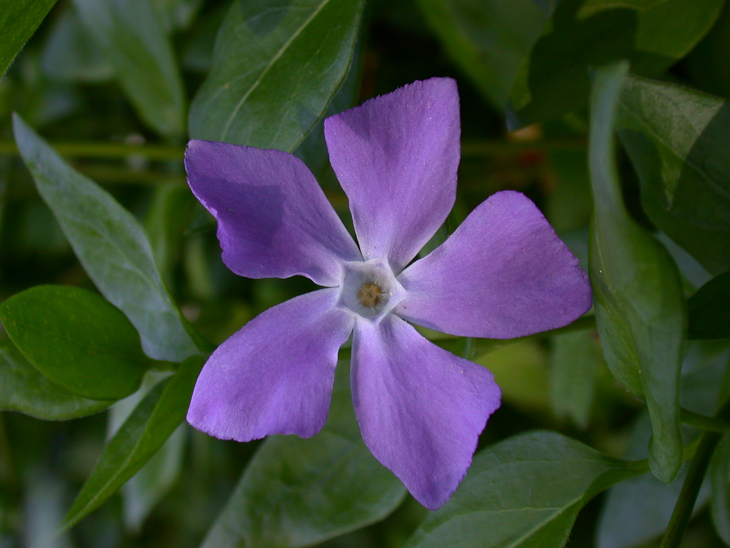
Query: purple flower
column 503, row 273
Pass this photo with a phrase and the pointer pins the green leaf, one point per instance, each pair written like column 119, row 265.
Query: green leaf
column 138, row 439
column 637, row 291
column 25, row 389
column 67, row 56
column 523, row 492
column 709, row 310
column 582, row 34
column 277, row 65
column 299, row 492
column 77, row 339
column 678, row 140
column 18, row 21
column 131, row 36
column 489, row 39
column 111, row 246
column 719, row 475
column 574, row 365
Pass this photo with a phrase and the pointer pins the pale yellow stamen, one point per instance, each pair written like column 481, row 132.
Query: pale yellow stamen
column 369, row 295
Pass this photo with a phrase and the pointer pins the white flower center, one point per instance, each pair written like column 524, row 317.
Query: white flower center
column 369, row 289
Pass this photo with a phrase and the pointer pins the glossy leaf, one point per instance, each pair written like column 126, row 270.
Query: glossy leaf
column 583, row 34
column 18, row 21
column 677, row 139
column 637, row 291
column 709, row 310
column 523, row 492
column 132, row 38
column 489, row 39
column 111, row 246
column 299, row 492
column 148, row 427
column 573, row 368
column 277, row 65
column 77, row 339
column 25, row 389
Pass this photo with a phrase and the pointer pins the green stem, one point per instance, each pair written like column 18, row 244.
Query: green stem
column 105, row 150
column 691, row 486
column 703, row 422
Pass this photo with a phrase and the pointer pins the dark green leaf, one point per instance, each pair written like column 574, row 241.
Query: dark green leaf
column 26, row 390
column 582, row 34
column 111, row 245
column 489, row 39
column 678, row 140
column 638, row 298
column 77, row 339
column 142, row 434
column 299, row 492
column 709, row 310
column 523, row 492
column 18, row 21
column 131, row 36
column 573, row 367
column 277, row 65
column 719, row 475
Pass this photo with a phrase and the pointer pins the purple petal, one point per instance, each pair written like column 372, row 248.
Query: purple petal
column 503, row 273
column 275, row 375
column 273, row 218
column 421, row 409
column 396, row 157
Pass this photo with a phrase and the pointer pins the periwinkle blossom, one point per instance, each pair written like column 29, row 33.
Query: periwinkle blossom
column 502, row 274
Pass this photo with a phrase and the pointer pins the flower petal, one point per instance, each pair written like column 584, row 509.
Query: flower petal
column 275, row 375
column 503, row 273
column 420, row 408
column 273, row 218
column 396, row 157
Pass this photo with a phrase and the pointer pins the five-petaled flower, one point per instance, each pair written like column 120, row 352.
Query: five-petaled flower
column 502, row 274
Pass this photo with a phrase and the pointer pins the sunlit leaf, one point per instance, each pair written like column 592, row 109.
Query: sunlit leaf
column 77, row 339
column 111, row 246
column 638, row 298
column 277, row 65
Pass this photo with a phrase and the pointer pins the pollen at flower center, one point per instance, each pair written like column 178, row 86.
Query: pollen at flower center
column 369, row 289
column 370, row 295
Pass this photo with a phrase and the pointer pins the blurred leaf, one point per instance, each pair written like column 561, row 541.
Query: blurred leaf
column 299, row 492
column 67, row 56
column 709, row 310
column 111, row 246
column 520, row 370
column 489, row 39
column 719, row 476
column 25, row 389
column 130, row 35
column 636, row 286
column 573, row 368
column 177, row 14
column 167, row 220
column 678, row 140
column 582, row 34
column 569, row 204
column 77, row 339
column 153, row 481
column 277, row 65
column 523, row 492
column 142, row 434
column 18, row 21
